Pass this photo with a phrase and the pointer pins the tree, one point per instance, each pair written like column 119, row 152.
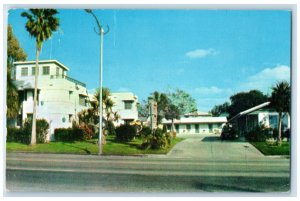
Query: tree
column 281, row 102
column 245, row 100
column 220, row 109
column 172, row 112
column 183, row 101
column 40, row 25
column 14, row 53
column 162, row 102
column 143, row 109
column 107, row 104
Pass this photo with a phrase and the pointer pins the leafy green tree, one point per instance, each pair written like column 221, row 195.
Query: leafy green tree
column 14, row 53
column 162, row 102
column 40, row 25
column 183, row 101
column 143, row 109
column 245, row 100
column 220, row 109
column 171, row 113
column 281, row 102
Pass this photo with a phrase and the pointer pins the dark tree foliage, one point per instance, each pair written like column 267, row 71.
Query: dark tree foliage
column 281, row 102
column 14, row 53
column 220, row 109
column 245, row 100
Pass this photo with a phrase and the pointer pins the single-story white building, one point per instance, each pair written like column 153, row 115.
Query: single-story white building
column 197, row 125
column 249, row 119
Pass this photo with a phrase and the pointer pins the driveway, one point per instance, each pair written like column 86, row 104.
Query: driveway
column 210, row 147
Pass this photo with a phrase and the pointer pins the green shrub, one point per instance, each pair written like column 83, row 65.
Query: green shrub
column 146, row 131
column 42, row 127
column 18, row 135
column 110, row 127
column 156, row 140
column 86, row 132
column 77, row 133
column 63, row 134
column 259, row 134
column 23, row 134
column 125, row 133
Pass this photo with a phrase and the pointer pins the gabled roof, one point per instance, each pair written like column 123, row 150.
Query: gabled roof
column 249, row 110
column 42, row 62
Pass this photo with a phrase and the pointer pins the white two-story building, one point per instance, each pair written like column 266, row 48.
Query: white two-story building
column 125, row 104
column 60, row 97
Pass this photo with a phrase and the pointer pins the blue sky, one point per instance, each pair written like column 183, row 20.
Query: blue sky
column 211, row 54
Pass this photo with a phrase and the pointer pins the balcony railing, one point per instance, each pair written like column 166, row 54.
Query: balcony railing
column 68, row 78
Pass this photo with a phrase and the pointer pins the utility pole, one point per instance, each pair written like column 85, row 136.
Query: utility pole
column 100, row 32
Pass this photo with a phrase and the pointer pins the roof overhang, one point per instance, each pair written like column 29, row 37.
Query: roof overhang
column 249, row 110
column 42, row 62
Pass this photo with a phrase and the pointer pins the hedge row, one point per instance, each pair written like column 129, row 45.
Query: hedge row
column 23, row 134
column 78, row 133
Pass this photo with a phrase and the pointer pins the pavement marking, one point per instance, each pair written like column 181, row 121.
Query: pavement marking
column 237, row 163
column 157, row 173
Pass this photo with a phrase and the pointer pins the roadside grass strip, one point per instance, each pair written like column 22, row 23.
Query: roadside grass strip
column 271, row 150
column 89, row 147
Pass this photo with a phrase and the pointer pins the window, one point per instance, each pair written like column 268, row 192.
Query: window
column 46, row 70
column 169, row 127
column 70, row 94
column 33, row 71
column 210, row 127
column 29, row 116
column 82, row 100
column 57, row 71
column 177, row 128
column 128, row 105
column 24, row 71
column 197, row 128
column 188, row 127
column 70, row 118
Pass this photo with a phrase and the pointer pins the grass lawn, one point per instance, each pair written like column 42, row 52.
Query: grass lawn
column 267, row 149
column 88, row 147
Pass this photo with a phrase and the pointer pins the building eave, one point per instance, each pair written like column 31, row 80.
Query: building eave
column 249, row 110
column 41, row 62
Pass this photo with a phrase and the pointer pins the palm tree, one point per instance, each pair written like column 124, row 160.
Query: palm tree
column 162, row 103
column 40, row 25
column 107, row 104
column 281, row 101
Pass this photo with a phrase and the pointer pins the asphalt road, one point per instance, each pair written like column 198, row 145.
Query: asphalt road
column 87, row 173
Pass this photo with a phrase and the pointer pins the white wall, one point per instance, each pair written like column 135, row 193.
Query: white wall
column 203, row 129
column 119, row 106
column 55, row 102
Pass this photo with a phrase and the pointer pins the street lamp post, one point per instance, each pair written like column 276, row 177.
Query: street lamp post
column 101, row 33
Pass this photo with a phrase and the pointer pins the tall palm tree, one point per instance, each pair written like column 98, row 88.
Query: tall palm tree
column 107, row 104
column 281, row 101
column 40, row 25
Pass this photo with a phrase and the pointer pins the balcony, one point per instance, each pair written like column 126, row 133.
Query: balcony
column 67, row 78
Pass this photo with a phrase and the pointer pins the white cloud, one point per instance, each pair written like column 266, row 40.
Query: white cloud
column 200, row 53
column 212, row 90
column 266, row 78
